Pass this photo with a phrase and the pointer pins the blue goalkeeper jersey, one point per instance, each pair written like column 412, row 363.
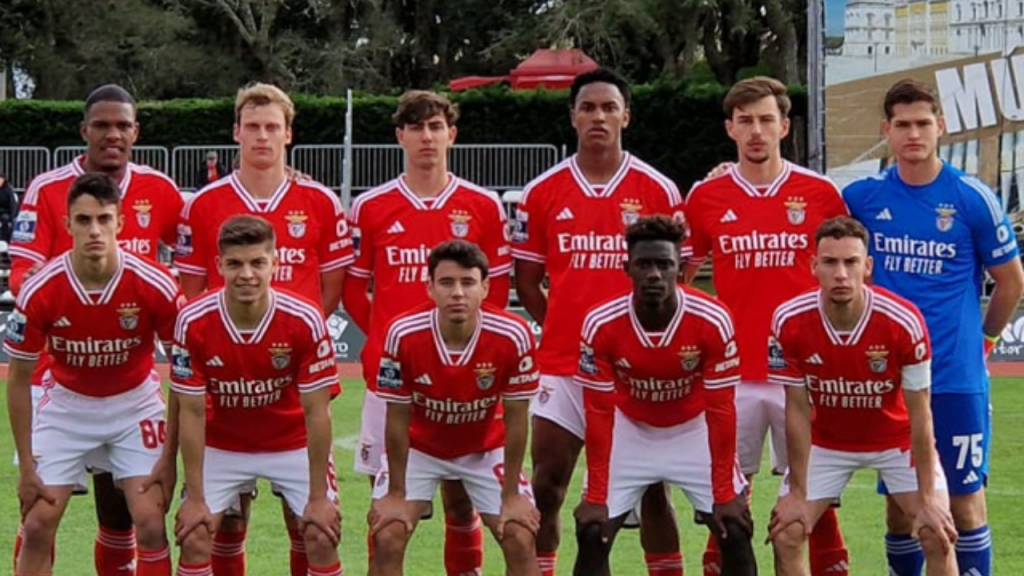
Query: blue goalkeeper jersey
column 931, row 244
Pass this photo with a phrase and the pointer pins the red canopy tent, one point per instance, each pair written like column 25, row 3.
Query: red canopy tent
column 552, row 69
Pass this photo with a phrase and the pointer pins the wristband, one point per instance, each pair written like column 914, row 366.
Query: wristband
column 990, row 339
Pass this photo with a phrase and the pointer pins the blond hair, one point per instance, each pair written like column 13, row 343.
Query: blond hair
column 260, row 94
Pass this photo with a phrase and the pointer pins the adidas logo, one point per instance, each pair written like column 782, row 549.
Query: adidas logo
column 972, row 572
column 729, row 216
column 841, row 567
column 564, row 215
column 970, row 479
column 814, row 359
column 396, row 228
column 424, row 379
column 215, row 362
column 63, row 322
column 623, row 363
column 883, row 215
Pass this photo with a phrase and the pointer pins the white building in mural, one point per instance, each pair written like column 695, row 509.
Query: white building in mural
column 980, row 26
column 870, row 28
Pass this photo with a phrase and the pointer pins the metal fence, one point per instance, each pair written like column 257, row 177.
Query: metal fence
column 323, row 162
column 154, row 156
column 188, row 163
column 22, row 164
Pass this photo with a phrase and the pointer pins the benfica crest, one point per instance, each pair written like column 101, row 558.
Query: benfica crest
column 630, row 211
column 280, row 356
column 796, row 210
column 129, row 316
column 142, row 215
column 944, row 221
column 689, row 357
column 877, row 360
column 485, row 375
column 460, row 223
column 296, row 224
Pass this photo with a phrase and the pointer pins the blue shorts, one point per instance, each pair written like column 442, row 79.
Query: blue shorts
column 963, row 426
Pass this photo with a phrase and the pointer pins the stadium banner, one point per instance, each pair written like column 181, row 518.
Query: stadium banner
column 348, row 339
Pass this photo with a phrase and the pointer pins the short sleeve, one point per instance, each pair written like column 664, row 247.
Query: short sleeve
column 191, row 245
column 317, row 366
column 529, row 230
column 991, row 232
column 783, row 366
column 186, row 370
column 335, row 248
column 594, row 369
column 524, row 378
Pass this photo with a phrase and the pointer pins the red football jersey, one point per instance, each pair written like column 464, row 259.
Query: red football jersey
column 308, row 219
column 661, row 379
column 577, row 230
column 150, row 202
column 456, row 396
column 761, row 241
column 253, row 378
column 855, row 379
column 394, row 231
column 101, row 343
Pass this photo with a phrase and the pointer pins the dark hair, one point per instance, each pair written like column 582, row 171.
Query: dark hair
column 108, row 93
column 599, row 75
column 909, row 91
column 245, row 230
column 98, row 185
column 417, row 106
column 465, row 254
column 841, row 227
column 655, row 228
column 746, row 92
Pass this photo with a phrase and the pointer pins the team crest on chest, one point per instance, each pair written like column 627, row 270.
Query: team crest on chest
column 877, row 358
column 796, row 210
column 280, row 356
column 630, row 210
column 142, row 215
column 129, row 316
column 689, row 357
column 944, row 221
column 485, row 375
column 296, row 223
column 460, row 223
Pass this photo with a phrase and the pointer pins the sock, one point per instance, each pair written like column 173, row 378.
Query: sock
column 369, row 548
column 194, row 569
column 547, row 561
column 974, row 552
column 463, row 548
column 712, row 558
column 829, row 556
column 297, row 554
column 906, row 558
column 114, row 552
column 228, row 557
column 17, row 546
column 333, row 570
column 664, row 564
column 154, row 562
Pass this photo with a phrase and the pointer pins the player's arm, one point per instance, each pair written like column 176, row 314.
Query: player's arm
column 191, row 284
column 529, row 280
column 355, row 297
column 698, row 241
column 397, row 445
column 517, row 427
column 798, row 437
column 1009, row 286
column 19, row 408
column 192, row 438
column 331, row 282
column 594, row 373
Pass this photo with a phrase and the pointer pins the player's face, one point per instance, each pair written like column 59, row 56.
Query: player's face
column 109, row 131
column 757, row 129
column 426, row 144
column 653, row 266
column 599, row 115
column 247, row 271
column 842, row 266
column 93, row 226
column 262, row 134
column 457, row 291
column 913, row 132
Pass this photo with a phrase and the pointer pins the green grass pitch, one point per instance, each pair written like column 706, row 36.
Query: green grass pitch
column 861, row 515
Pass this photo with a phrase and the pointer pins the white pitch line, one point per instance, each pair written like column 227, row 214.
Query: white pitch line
column 347, row 443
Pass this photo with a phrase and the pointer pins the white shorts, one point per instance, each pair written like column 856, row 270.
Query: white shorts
column 561, row 401
column 71, row 429
column 679, row 455
column 829, row 471
column 370, row 452
column 227, row 473
column 481, row 474
column 760, row 409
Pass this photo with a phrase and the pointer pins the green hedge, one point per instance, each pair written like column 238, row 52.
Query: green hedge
column 677, row 128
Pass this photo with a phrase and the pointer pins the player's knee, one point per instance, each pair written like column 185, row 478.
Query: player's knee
column 969, row 510
column 39, row 528
column 197, row 546
column 232, row 523
column 931, row 542
column 317, row 541
column 590, row 539
column 787, row 543
column 391, row 540
column 150, row 530
column 896, row 520
column 458, row 508
column 517, row 541
column 548, row 493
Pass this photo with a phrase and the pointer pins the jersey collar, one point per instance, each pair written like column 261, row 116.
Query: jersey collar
column 609, row 187
column 434, row 203
column 108, row 291
column 78, row 168
column 670, row 332
column 442, row 350
column 250, row 201
column 772, row 188
column 854, row 337
column 233, row 332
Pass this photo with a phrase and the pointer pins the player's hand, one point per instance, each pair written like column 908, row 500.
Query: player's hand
column 589, row 513
column 192, row 514
column 31, row 489
column 164, row 476
column 520, row 510
column 323, row 514
column 387, row 510
column 36, row 267
column 790, row 509
column 936, row 517
column 719, row 170
column 738, row 511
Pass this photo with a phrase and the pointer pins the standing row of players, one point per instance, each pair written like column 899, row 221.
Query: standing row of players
column 756, row 221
